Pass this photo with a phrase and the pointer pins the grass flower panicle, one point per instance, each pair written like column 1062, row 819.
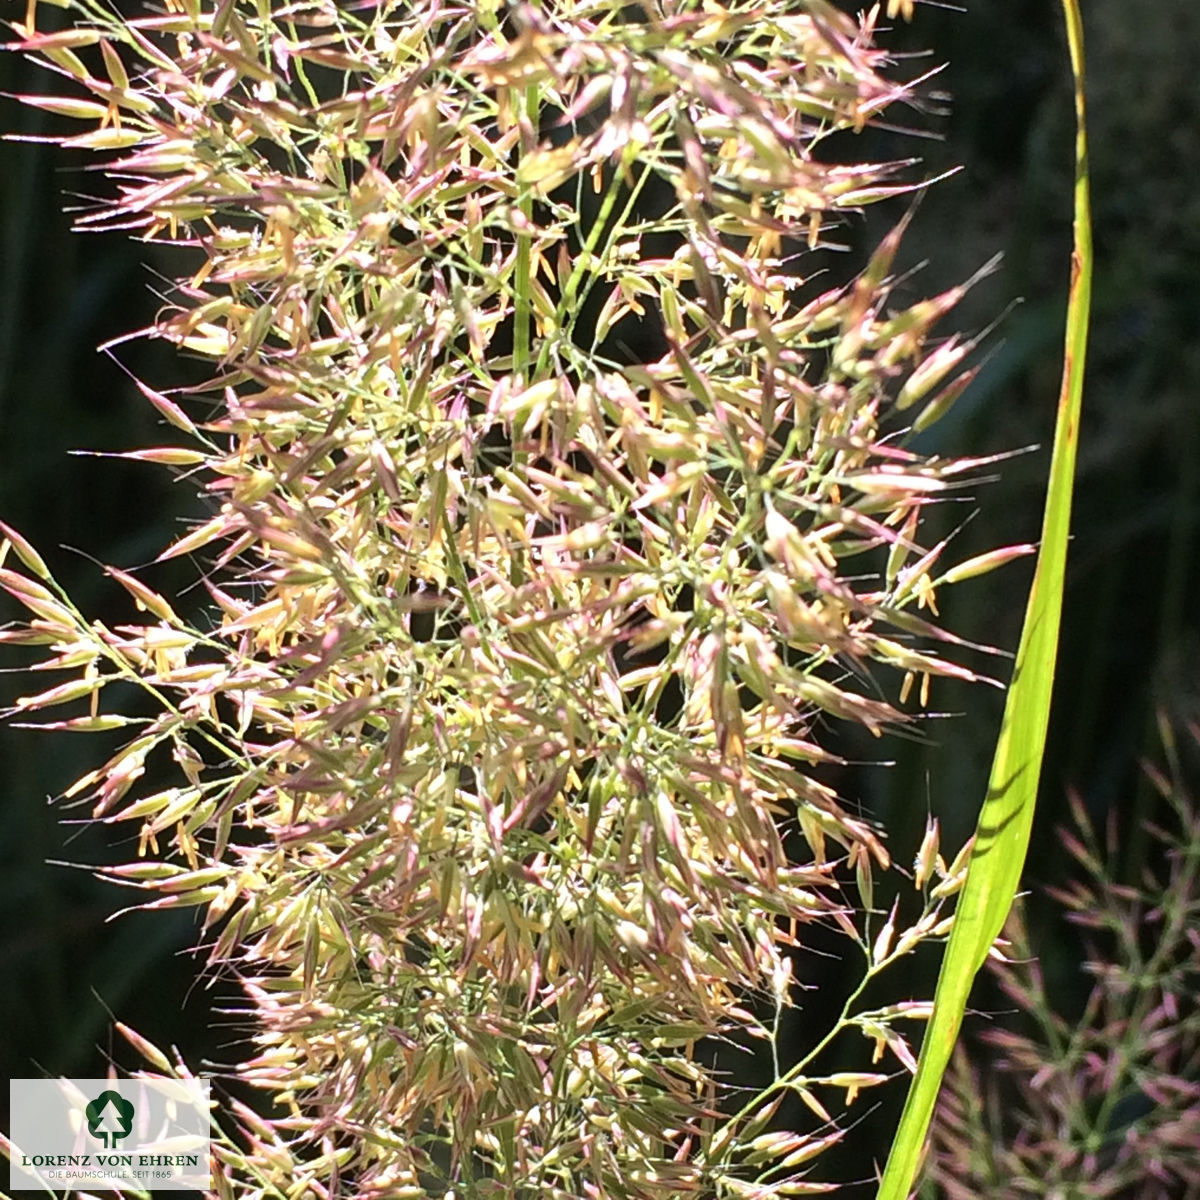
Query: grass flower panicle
column 520, row 638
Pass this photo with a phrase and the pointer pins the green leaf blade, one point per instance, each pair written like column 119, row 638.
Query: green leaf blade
column 1005, row 822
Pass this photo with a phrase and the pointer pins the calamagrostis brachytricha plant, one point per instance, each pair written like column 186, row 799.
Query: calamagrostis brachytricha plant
column 1106, row 1104
column 517, row 649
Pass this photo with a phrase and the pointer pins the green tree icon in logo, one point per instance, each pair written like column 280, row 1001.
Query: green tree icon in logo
column 110, row 1118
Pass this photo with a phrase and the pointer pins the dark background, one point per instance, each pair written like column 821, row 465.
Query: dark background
column 1130, row 626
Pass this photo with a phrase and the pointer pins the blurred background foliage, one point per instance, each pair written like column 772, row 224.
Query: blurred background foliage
column 1130, row 625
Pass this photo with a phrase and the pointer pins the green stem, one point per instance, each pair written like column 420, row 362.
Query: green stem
column 588, row 266
column 523, row 300
column 796, row 1071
